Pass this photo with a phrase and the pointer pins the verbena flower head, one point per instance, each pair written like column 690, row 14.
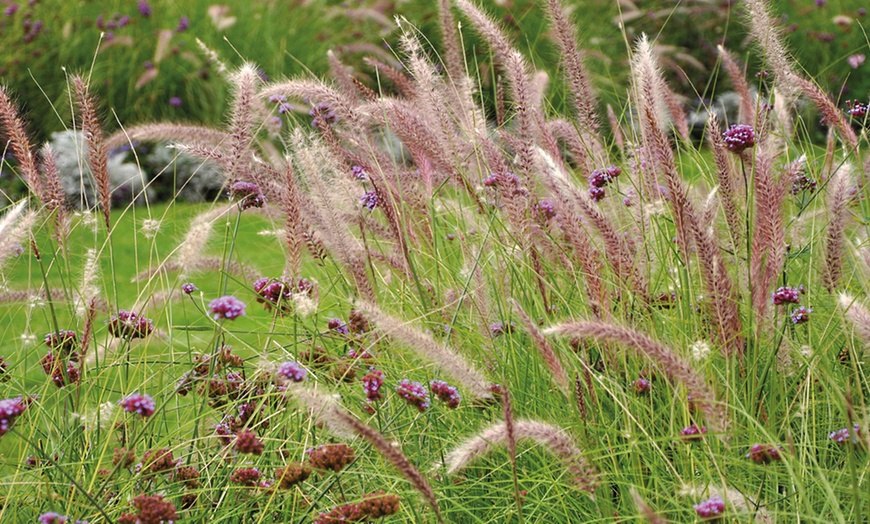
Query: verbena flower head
column 764, row 453
column 248, row 477
column 63, row 340
column 175, row 101
column 497, row 329
column 292, row 371
column 857, row 110
column 52, row 517
column 801, row 315
column 226, row 307
column 372, row 383
column 369, row 200
column 280, row 292
column 693, row 432
column 445, row 393
column 247, row 442
column 414, row 393
column 183, row 24
column 144, row 8
column 188, row 288
column 641, row 386
column 709, row 509
column 739, row 137
column 139, row 403
column 359, row 173
column 380, row 504
column 333, row 457
column 127, row 324
column 152, row 509
column 291, row 474
column 337, row 325
column 787, row 295
column 248, row 194
column 843, row 436
column 322, row 115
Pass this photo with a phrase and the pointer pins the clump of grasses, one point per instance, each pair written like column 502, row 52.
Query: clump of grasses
column 220, row 372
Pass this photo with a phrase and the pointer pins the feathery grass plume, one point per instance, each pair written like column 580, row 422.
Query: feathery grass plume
column 670, row 362
column 580, row 397
column 404, row 85
column 554, row 438
column 839, row 188
column 833, row 116
column 676, row 112
column 166, row 132
column 191, row 249
column 202, row 263
column 738, row 81
column 858, row 315
column 241, row 131
column 730, row 190
column 56, row 199
column 97, row 153
column 768, row 234
column 543, row 345
column 647, row 512
column 14, row 229
column 16, row 132
column 453, row 54
column 615, row 129
column 395, row 456
column 294, row 228
column 341, row 74
column 766, row 31
column 511, row 439
column 90, row 290
column 317, row 91
column 517, row 72
column 427, row 348
column 583, row 95
column 213, row 58
column 322, row 406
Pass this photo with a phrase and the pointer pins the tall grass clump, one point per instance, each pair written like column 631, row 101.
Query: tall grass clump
column 410, row 307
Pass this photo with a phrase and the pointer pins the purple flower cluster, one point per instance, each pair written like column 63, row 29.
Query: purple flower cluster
column 712, row 508
column 248, row 195
column 787, row 295
column 127, row 324
column 175, row 101
column 801, row 315
column 188, row 288
column 144, row 8
column 292, row 371
column 138, row 403
column 545, row 209
column 10, row 409
column 359, row 173
column 183, row 24
column 641, row 386
column 601, row 178
column 497, row 329
column 445, row 393
column 857, row 110
column 414, row 393
column 278, row 292
column 801, row 182
column 337, row 325
column 226, row 307
column 372, row 383
column 501, row 179
column 739, row 137
column 842, row 436
column 693, row 432
column 248, row 477
column 63, row 340
column 322, row 115
column 764, row 453
column 370, row 200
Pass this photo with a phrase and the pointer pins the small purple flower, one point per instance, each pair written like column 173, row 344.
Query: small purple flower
column 545, row 209
column 497, row 329
column 175, row 101
column 292, row 371
column 52, row 517
column 693, row 432
column 337, row 325
column 63, row 340
column 596, row 193
column 248, row 194
column 414, row 393
column 226, row 307
column 359, row 173
column 370, row 200
column 322, row 115
column 821, row 3
column 188, row 288
column 764, row 453
column 10, row 409
column 11, row 9
column 801, row 315
column 710, row 509
column 123, row 21
column 148, row 65
column 855, row 61
column 277, row 99
column 739, row 137
column 284, row 107
column 856, row 109
column 445, row 393
column 762, row 74
column 144, row 8
column 842, row 436
column 603, row 177
column 183, row 24
column 138, row 403
column 127, row 324
column 641, row 386
column 786, row 295
column 862, row 11
column 372, row 383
